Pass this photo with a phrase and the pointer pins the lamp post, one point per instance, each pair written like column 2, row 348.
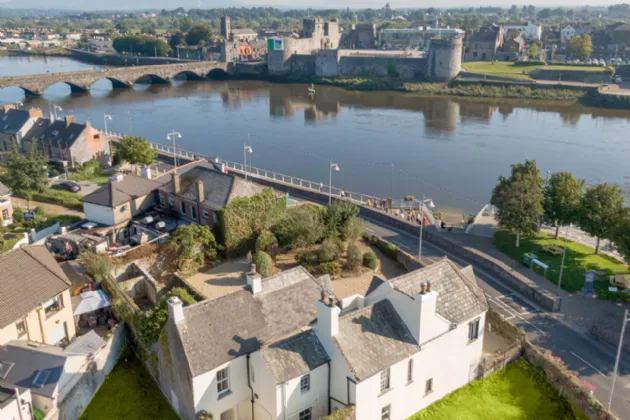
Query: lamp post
column 623, row 330
column 429, row 202
column 246, row 149
column 331, row 166
column 564, row 253
column 105, row 118
column 172, row 136
column 18, row 104
column 57, row 108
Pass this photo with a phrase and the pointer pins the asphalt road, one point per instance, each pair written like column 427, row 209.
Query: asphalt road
column 592, row 360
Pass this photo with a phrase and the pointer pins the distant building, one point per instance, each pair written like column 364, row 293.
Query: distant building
column 6, row 206
column 74, row 36
column 619, row 33
column 484, row 44
column 14, row 125
column 238, row 35
column 395, row 38
column 571, row 31
column 529, row 31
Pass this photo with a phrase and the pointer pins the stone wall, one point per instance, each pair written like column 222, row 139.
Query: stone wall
column 327, row 63
column 445, row 59
column 571, row 76
column 303, row 64
column 403, row 68
column 122, row 60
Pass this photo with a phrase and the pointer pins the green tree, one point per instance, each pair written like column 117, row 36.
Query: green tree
column 519, row 200
column 185, row 24
column 149, row 324
column 601, row 209
column 265, row 241
column 581, row 46
column 355, row 257
column 177, row 39
column 353, row 230
column 264, row 263
column 329, row 251
column 27, row 174
column 563, row 196
column 123, row 27
column 621, row 235
column 95, row 265
column 532, row 52
column 192, row 245
column 200, row 34
column 300, row 226
column 338, row 215
column 147, row 29
column 135, row 150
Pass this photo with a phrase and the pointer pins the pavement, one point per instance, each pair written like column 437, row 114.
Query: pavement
column 565, row 334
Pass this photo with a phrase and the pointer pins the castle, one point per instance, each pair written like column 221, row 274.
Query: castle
column 318, row 53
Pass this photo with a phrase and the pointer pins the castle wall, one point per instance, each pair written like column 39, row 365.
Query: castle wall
column 445, row 59
column 403, row 68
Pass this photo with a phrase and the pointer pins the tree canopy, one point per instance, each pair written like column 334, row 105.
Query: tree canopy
column 200, row 34
column 27, row 174
column 601, row 208
column 563, row 196
column 135, row 150
column 300, row 226
column 581, row 46
column 519, row 199
column 621, row 234
column 338, row 215
column 141, row 44
column 192, row 245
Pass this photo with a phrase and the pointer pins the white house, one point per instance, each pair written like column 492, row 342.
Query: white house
column 282, row 348
column 569, row 32
column 529, row 31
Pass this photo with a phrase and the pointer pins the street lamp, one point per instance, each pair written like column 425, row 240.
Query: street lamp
column 623, row 329
column 105, row 118
column 331, row 166
column 172, row 136
column 246, row 149
column 429, row 202
column 18, row 104
column 564, row 252
column 57, row 108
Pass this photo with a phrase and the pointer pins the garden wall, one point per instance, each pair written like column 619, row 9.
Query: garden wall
column 79, row 396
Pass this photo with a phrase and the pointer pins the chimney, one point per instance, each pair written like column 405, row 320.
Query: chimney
column 327, row 316
column 200, row 195
column 254, row 280
column 69, row 119
column 8, row 107
column 51, row 116
column 177, row 182
column 35, row 113
column 145, row 171
column 426, row 303
column 176, row 310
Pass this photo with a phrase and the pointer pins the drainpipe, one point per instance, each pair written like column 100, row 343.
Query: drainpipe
column 284, row 401
column 249, row 383
column 329, row 402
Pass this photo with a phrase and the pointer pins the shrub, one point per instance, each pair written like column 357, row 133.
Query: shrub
column 265, row 241
column 390, row 250
column 95, row 265
column 355, row 257
column 338, row 216
column 192, row 245
column 353, row 230
column 305, row 258
column 300, row 226
column 329, row 251
column 332, row 268
column 264, row 263
column 370, row 260
column 149, row 324
column 40, row 211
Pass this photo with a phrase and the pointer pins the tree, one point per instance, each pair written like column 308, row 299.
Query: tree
column 192, row 245
column 135, row 150
column 185, row 24
column 300, row 226
column 141, row 44
column 123, row 27
column 149, row 324
column 581, row 46
column 265, row 241
column 519, row 200
column 563, row 196
column 621, row 234
column 601, row 208
column 199, row 35
column 532, row 52
column 338, row 215
column 177, row 39
column 147, row 29
column 96, row 266
column 27, row 174
column 264, row 264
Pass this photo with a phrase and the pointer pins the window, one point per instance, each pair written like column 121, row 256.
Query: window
column 385, row 380
column 5, row 214
column 162, row 199
column 223, row 383
column 473, row 330
column 428, row 386
column 474, row 53
column 386, row 412
column 182, row 207
column 171, row 201
column 305, row 383
column 53, row 305
column 193, row 212
column 410, row 371
column 306, row 414
column 206, row 215
column 20, row 326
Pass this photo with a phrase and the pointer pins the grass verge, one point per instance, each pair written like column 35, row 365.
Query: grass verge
column 128, row 393
column 63, row 198
column 517, row 392
column 579, row 258
column 522, row 70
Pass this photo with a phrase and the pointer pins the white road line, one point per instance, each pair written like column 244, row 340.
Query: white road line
column 368, row 230
column 593, row 367
column 399, row 244
column 507, row 308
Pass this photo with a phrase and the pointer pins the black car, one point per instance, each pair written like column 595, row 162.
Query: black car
column 68, row 186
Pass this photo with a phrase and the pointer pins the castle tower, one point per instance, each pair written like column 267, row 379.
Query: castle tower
column 445, row 59
column 226, row 26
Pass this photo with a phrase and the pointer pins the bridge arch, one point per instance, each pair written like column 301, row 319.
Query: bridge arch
column 188, row 75
column 217, row 74
column 153, row 79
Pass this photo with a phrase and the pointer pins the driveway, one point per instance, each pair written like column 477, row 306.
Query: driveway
column 86, row 187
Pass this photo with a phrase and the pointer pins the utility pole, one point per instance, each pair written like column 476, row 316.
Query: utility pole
column 623, row 330
column 391, row 183
column 171, row 136
column 564, row 253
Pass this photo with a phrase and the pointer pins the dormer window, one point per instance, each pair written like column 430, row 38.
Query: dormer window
column 54, row 133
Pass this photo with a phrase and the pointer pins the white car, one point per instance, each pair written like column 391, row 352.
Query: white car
column 618, row 79
column 595, row 61
column 602, row 63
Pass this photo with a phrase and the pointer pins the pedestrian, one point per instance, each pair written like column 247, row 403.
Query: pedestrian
column 321, row 186
column 396, row 213
column 424, row 220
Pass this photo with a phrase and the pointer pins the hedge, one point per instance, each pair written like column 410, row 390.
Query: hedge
column 264, row 263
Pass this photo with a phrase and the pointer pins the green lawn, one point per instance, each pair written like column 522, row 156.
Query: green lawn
column 128, row 393
column 578, row 260
column 506, row 69
column 517, row 392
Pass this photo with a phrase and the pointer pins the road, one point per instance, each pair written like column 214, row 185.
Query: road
column 592, row 360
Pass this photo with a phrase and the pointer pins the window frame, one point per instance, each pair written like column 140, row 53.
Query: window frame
column 223, row 381
column 473, row 330
column 193, row 211
column 386, row 412
column 182, row 207
column 171, row 201
column 385, row 380
column 5, row 214
column 23, row 323
column 305, row 383
column 428, row 386
column 306, row 414
column 205, row 214
column 53, row 306
column 410, row 371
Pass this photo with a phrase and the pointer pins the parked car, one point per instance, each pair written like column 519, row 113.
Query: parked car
column 618, row 79
column 595, row 61
column 602, row 63
column 68, row 186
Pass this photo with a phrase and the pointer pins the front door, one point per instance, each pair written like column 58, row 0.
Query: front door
column 58, row 334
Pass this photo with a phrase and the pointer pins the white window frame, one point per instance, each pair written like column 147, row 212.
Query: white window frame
column 205, row 214
column 171, row 201
column 305, row 383
column 223, row 381
column 386, row 412
column 385, row 380
column 473, row 330
column 410, row 371
column 306, row 414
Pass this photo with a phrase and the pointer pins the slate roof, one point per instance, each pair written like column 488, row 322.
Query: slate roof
column 218, row 188
column 484, row 36
column 246, row 31
column 88, row 344
column 219, row 330
column 12, row 120
column 116, row 193
column 294, row 356
column 373, row 338
column 29, row 276
column 4, row 190
column 459, row 297
column 25, row 359
column 58, row 133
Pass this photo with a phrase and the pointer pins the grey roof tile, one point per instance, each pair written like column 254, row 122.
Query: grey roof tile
column 294, row 356
column 116, row 193
column 4, row 190
column 459, row 297
column 13, row 120
column 373, row 338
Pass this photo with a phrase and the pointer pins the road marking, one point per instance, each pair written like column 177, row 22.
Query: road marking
column 593, row 367
column 368, row 230
column 507, row 308
column 399, row 244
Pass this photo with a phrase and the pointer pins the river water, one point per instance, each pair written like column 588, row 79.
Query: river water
column 451, row 150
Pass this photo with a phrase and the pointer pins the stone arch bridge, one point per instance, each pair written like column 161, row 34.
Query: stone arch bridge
column 121, row 77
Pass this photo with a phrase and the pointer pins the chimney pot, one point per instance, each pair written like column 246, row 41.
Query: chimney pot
column 429, row 283
column 324, row 297
column 176, row 310
column 423, row 288
column 254, row 280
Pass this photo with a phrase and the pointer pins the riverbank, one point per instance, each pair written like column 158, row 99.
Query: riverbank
column 48, row 52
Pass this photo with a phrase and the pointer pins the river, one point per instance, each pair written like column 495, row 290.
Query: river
column 451, row 150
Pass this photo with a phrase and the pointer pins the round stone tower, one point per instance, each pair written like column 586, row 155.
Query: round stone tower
column 445, row 59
